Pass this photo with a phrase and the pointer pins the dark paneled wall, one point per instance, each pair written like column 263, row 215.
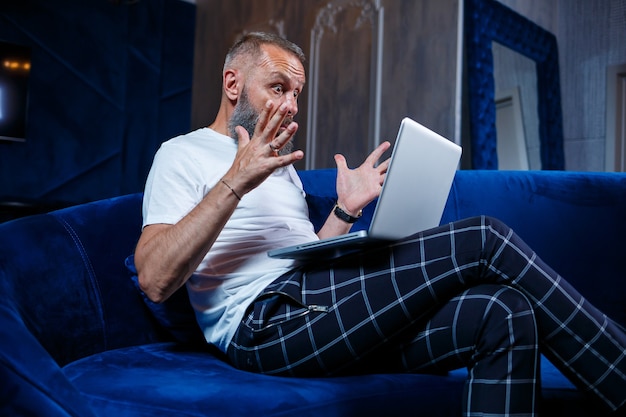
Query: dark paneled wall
column 110, row 81
column 370, row 63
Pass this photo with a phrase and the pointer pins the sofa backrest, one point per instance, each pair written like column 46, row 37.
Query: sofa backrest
column 62, row 275
column 575, row 221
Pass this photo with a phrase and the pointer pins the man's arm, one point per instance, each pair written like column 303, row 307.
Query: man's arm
column 167, row 255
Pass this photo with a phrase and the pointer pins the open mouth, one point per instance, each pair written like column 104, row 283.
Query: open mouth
column 283, row 127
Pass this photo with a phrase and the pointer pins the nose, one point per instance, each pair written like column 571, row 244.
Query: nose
column 292, row 104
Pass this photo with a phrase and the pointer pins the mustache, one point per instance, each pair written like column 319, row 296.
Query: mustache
column 287, row 121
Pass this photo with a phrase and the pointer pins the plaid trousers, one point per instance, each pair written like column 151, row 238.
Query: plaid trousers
column 468, row 294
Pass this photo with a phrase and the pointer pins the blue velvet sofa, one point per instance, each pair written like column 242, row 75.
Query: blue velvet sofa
column 77, row 338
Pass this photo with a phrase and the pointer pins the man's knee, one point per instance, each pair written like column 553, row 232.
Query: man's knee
column 484, row 225
column 508, row 320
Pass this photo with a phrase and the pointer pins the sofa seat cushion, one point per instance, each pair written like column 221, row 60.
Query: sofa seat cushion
column 171, row 380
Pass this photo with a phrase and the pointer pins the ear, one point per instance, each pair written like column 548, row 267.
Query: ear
column 231, row 82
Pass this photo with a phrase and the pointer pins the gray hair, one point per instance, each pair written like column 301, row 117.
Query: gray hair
column 249, row 45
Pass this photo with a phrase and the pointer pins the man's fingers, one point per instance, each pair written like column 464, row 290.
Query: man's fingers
column 286, row 135
column 384, row 166
column 266, row 113
column 271, row 119
column 289, row 159
column 275, row 122
column 378, row 152
column 243, row 138
column 341, row 162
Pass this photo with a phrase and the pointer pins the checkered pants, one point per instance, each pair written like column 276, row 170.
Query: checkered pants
column 468, row 294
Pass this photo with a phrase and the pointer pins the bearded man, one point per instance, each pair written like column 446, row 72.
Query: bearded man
column 467, row 294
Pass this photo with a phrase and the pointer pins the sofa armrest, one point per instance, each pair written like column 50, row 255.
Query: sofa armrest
column 32, row 382
column 63, row 275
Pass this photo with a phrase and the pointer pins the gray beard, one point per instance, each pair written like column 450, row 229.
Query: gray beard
column 246, row 116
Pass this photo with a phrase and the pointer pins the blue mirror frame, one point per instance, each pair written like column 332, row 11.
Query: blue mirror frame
column 486, row 21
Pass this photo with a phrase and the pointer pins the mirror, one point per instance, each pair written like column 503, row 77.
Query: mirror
column 517, row 120
column 488, row 23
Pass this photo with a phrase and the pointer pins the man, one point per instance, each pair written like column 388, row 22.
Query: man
column 469, row 294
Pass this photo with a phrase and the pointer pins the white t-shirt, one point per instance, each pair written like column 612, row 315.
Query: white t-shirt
column 237, row 267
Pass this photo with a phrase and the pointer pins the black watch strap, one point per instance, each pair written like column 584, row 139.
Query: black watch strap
column 345, row 216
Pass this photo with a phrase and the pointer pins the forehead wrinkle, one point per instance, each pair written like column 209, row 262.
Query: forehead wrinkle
column 283, row 65
column 298, row 82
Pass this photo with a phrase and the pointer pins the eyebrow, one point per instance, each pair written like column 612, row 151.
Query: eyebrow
column 284, row 78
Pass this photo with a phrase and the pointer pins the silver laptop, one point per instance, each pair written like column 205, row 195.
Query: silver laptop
column 412, row 199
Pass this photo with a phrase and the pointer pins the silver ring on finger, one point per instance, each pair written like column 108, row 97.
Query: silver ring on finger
column 273, row 148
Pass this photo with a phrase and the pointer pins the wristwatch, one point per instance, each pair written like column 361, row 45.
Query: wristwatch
column 345, row 216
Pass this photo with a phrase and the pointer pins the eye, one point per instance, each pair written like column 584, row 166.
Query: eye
column 278, row 89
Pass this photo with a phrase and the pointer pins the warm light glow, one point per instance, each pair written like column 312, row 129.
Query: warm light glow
column 16, row 65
